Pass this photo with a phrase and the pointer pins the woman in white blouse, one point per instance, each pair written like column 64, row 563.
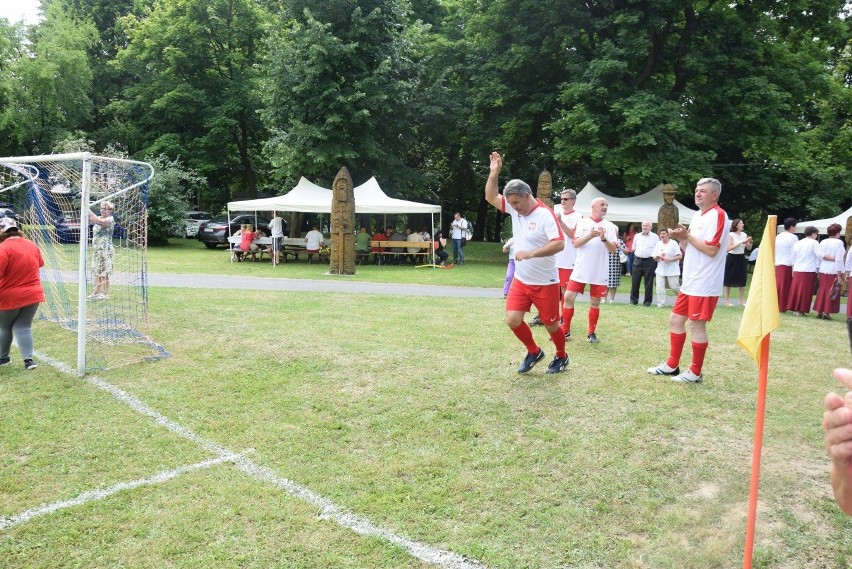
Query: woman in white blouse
column 831, row 268
column 736, row 267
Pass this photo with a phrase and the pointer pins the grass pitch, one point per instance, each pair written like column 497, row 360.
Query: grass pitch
column 409, row 413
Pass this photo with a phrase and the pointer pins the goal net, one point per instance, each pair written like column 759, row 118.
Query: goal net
column 52, row 197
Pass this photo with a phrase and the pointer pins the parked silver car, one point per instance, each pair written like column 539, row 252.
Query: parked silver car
column 194, row 219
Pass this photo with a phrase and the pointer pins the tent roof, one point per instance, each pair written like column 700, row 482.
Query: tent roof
column 634, row 209
column 309, row 197
column 822, row 224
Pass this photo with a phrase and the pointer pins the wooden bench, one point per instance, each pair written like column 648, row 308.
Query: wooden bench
column 401, row 248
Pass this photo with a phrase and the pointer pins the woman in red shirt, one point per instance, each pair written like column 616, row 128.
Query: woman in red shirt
column 20, row 291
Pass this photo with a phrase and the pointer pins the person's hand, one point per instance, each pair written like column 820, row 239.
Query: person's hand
column 496, row 162
column 596, row 232
column 679, row 233
column 522, row 255
column 837, row 422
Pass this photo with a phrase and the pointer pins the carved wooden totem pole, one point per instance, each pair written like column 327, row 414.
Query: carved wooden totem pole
column 668, row 215
column 342, row 225
column 544, row 191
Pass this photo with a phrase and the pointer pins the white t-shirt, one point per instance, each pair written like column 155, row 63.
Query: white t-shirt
column 566, row 257
column 703, row 275
column 849, row 261
column 276, row 228
column 833, row 247
column 739, row 241
column 313, row 240
column 532, row 232
column 458, row 228
column 592, row 263
column 670, row 250
column 784, row 248
column 806, row 256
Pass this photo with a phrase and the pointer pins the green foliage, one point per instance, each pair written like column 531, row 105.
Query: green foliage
column 173, row 187
column 340, row 90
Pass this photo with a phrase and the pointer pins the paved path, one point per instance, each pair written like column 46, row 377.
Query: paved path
column 344, row 284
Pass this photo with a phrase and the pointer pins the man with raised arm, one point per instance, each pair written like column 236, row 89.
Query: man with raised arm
column 537, row 238
column 704, row 246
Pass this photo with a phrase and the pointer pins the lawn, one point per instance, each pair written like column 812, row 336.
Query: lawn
column 408, row 412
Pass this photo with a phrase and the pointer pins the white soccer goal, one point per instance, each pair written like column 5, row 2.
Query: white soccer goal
column 52, row 196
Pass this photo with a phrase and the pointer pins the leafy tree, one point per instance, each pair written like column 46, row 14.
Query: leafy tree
column 48, row 88
column 195, row 91
column 340, row 90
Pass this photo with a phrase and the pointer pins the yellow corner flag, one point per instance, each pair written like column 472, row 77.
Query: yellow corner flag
column 761, row 313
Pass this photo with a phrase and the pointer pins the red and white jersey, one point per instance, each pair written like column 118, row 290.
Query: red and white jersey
column 532, row 232
column 784, row 244
column 703, row 275
column 565, row 258
column 806, row 256
column 592, row 263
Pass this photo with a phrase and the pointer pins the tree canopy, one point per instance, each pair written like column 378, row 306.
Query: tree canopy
column 251, row 95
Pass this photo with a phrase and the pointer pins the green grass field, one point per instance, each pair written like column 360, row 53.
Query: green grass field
column 407, row 412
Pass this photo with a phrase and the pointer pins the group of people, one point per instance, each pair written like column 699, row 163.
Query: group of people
column 558, row 253
column 416, row 254
column 807, row 264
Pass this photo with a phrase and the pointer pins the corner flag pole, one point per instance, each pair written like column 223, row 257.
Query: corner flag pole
column 762, row 374
column 760, row 318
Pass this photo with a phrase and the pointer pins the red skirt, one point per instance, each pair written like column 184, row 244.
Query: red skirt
column 801, row 292
column 823, row 303
column 783, row 282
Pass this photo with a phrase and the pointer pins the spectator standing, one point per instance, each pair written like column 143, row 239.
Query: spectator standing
column 806, row 261
column 615, row 269
column 704, row 246
column 644, row 264
column 668, row 255
column 458, row 230
column 538, row 238
column 20, row 291
column 736, row 266
column 103, row 251
column 837, row 423
column 784, row 244
column 848, row 278
column 594, row 238
column 276, row 230
column 509, row 247
column 629, row 235
column 831, row 268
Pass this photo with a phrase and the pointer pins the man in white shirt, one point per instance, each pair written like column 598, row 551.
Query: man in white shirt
column 458, row 230
column 594, row 239
column 568, row 218
column 313, row 242
column 784, row 244
column 667, row 254
column 704, row 246
column 537, row 238
column 276, row 230
column 644, row 264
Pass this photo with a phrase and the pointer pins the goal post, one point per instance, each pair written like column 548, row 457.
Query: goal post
column 97, row 291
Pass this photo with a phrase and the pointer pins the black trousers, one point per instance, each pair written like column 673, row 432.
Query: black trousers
column 643, row 271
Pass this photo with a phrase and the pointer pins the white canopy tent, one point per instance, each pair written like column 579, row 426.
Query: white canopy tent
column 634, row 209
column 311, row 198
column 822, row 224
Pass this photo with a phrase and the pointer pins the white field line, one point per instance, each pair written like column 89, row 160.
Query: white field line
column 329, row 510
column 92, row 495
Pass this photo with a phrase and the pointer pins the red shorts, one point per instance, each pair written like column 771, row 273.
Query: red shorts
column 544, row 297
column 596, row 291
column 564, row 275
column 312, row 251
column 695, row 307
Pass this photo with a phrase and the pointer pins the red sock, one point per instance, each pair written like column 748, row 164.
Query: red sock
column 524, row 334
column 558, row 339
column 594, row 314
column 698, row 353
column 676, row 342
column 567, row 316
